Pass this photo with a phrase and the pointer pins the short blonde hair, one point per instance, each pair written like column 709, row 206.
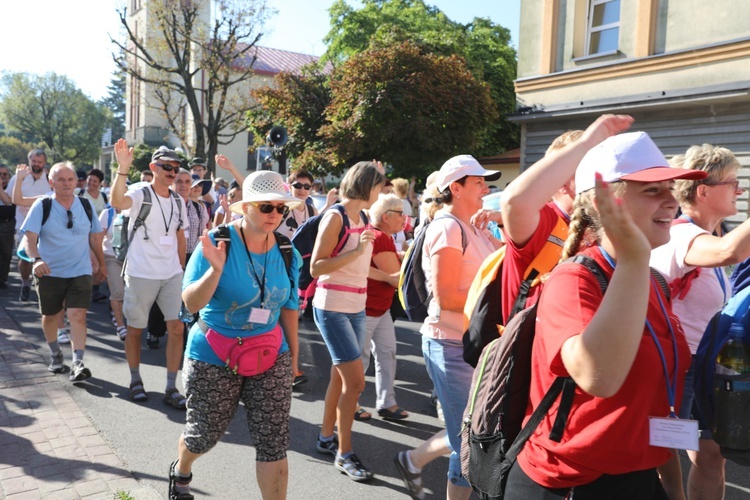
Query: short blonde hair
column 718, row 162
column 59, row 166
column 400, row 187
column 563, row 140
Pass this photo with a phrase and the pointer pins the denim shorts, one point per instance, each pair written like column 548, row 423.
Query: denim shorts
column 451, row 375
column 343, row 333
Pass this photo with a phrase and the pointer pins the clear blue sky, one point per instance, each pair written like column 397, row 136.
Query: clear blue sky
column 72, row 38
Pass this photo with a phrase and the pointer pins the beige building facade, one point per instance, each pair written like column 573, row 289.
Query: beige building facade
column 681, row 68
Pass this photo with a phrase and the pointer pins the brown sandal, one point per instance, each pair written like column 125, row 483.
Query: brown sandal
column 173, row 398
column 137, row 392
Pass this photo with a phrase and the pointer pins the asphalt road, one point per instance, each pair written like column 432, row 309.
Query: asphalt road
column 145, row 435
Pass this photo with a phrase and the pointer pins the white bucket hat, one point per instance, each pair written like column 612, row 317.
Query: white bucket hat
column 264, row 186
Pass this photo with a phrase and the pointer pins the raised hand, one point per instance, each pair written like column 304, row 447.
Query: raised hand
column 626, row 237
column 124, row 155
column 332, row 196
column 224, row 162
column 606, row 126
column 365, row 238
column 215, row 255
column 22, row 171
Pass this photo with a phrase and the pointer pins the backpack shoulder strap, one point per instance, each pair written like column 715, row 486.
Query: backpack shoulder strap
column 542, row 264
column 343, row 234
column 88, row 209
column 287, row 253
column 106, row 200
column 140, row 219
column 662, row 281
column 110, row 217
column 177, row 200
column 566, row 385
column 464, row 238
column 310, row 210
column 46, row 208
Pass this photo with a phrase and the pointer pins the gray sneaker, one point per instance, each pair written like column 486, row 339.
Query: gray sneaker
column 330, row 447
column 352, row 467
column 412, row 481
column 62, row 336
column 56, row 363
column 78, row 372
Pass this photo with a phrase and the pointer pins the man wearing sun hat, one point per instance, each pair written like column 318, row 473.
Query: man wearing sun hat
column 154, row 264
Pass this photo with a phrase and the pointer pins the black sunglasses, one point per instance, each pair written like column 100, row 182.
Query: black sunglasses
column 267, row 208
column 70, row 219
column 298, row 185
column 167, row 168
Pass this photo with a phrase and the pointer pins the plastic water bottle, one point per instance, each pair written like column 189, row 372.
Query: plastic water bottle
column 735, row 355
column 731, row 425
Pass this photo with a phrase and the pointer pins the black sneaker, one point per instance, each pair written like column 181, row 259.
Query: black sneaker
column 412, row 481
column 173, row 493
column 56, row 363
column 352, row 467
column 25, row 291
column 330, row 447
column 78, row 372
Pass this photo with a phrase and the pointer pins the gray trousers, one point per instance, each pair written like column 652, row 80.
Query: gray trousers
column 381, row 339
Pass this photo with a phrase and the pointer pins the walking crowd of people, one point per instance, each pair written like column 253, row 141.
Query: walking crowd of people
column 213, row 267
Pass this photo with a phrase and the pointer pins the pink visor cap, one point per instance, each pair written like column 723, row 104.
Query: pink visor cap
column 628, row 157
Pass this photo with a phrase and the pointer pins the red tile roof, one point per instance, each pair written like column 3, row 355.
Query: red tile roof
column 270, row 61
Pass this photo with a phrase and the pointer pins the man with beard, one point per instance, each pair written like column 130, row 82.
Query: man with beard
column 7, row 227
column 154, row 264
column 33, row 185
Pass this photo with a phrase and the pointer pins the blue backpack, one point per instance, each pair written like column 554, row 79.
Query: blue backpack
column 721, row 398
column 304, row 241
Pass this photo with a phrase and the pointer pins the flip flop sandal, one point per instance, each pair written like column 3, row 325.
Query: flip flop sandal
column 362, row 415
column 397, row 414
column 174, row 399
column 137, row 392
column 299, row 379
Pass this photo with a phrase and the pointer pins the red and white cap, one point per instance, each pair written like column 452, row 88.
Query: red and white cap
column 628, row 157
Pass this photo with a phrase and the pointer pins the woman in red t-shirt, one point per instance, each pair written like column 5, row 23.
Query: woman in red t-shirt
column 616, row 347
column 387, row 219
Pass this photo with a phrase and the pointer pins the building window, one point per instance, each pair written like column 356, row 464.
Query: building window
column 603, row 27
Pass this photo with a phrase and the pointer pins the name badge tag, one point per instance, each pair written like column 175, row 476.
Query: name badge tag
column 258, row 315
column 676, row 433
column 166, row 241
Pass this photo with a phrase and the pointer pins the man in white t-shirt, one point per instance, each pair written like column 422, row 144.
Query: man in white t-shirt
column 154, row 263
column 33, row 185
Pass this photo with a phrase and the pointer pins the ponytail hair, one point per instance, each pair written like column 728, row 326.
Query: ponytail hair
column 585, row 224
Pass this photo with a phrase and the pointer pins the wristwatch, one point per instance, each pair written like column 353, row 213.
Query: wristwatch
column 37, row 259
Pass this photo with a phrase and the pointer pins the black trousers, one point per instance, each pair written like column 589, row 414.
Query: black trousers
column 641, row 485
column 7, row 241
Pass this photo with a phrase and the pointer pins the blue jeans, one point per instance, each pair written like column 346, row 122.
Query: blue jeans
column 451, row 376
column 688, row 408
column 343, row 333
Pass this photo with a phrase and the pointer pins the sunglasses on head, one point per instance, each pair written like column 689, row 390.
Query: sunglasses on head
column 70, row 219
column 166, row 167
column 267, row 208
column 299, row 185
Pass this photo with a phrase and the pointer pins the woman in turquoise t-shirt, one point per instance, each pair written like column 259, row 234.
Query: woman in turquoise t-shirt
column 249, row 292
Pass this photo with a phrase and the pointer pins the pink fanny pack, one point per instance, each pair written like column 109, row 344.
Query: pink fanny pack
column 246, row 356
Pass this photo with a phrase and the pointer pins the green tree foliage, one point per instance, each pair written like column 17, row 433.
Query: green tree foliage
column 13, row 151
column 484, row 45
column 411, row 108
column 115, row 103
column 51, row 109
column 196, row 68
column 298, row 102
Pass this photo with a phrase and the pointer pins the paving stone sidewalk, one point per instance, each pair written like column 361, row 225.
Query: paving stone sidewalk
column 49, row 448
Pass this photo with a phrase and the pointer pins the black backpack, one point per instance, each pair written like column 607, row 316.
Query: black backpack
column 47, row 208
column 412, row 282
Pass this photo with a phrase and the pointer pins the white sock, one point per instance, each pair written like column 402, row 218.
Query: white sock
column 412, row 468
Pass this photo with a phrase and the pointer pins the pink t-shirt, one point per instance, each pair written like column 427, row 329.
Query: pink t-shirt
column 707, row 295
column 353, row 275
column 445, row 232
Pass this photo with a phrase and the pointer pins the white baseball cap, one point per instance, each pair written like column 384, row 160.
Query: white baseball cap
column 628, row 157
column 459, row 167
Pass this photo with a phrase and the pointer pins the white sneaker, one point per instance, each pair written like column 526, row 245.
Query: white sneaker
column 63, row 337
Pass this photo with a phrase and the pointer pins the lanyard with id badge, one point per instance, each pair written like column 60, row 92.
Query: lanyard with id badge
column 669, row 431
